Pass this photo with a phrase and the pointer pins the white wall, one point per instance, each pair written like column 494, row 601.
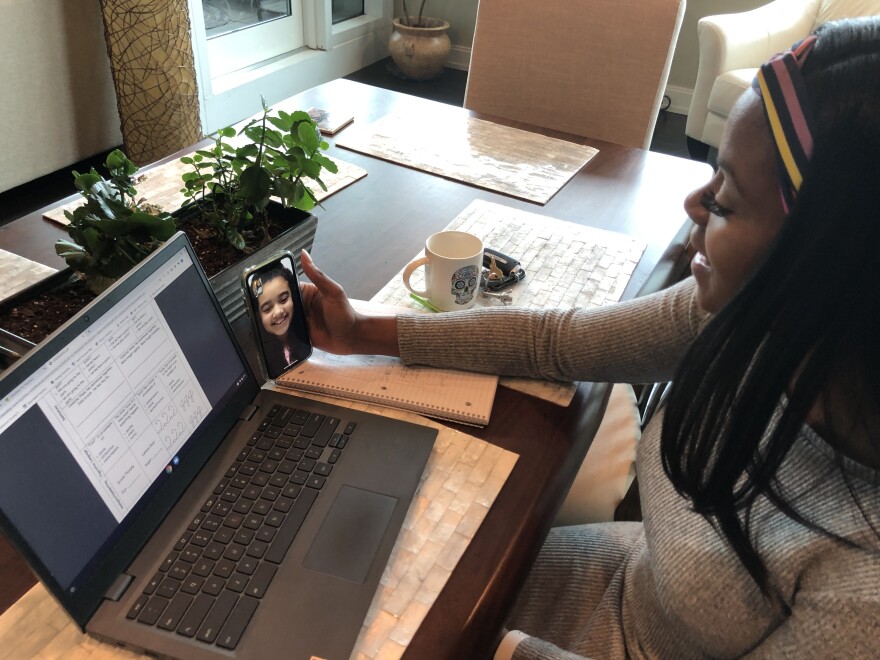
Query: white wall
column 57, row 103
column 687, row 51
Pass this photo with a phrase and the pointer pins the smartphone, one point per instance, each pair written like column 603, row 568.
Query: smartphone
column 274, row 303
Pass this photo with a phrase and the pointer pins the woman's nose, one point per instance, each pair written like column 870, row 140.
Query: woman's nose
column 693, row 206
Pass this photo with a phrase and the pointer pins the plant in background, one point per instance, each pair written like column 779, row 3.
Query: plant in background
column 231, row 184
column 407, row 19
column 112, row 231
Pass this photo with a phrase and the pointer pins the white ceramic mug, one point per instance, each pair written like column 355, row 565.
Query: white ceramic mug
column 453, row 264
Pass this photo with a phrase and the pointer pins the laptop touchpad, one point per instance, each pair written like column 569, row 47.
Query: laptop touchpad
column 350, row 534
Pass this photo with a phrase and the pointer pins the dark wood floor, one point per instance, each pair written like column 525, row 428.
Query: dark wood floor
column 448, row 88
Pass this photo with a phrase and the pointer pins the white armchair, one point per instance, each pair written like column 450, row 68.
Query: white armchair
column 733, row 46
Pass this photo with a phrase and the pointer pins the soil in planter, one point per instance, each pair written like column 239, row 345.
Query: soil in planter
column 36, row 318
column 215, row 254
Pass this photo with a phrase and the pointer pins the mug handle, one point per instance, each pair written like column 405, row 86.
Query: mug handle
column 408, row 271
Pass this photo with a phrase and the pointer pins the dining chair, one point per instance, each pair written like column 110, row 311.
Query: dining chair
column 596, row 69
column 608, row 470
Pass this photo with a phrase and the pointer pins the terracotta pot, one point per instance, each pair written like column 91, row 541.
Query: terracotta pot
column 420, row 52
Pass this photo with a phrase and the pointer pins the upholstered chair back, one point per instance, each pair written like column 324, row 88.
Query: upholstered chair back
column 596, row 69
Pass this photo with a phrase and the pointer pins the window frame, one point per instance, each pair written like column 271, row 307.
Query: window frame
column 330, row 51
column 260, row 42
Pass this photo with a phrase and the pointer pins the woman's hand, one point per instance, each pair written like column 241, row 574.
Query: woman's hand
column 334, row 325
column 330, row 316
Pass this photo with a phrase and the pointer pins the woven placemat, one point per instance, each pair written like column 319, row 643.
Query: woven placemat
column 161, row 186
column 566, row 264
column 508, row 160
column 20, row 273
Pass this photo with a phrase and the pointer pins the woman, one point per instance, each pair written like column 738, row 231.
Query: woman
column 759, row 479
column 279, row 335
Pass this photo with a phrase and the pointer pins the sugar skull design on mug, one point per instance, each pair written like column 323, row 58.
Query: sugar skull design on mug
column 464, row 284
column 453, row 264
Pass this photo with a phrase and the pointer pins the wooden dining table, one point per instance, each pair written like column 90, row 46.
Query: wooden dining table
column 370, row 229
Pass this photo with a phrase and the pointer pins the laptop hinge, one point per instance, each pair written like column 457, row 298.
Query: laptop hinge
column 116, row 591
column 248, row 412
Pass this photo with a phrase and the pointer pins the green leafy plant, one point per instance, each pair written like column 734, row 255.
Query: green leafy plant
column 408, row 20
column 112, row 231
column 232, row 182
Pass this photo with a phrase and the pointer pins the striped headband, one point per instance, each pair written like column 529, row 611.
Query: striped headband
column 786, row 104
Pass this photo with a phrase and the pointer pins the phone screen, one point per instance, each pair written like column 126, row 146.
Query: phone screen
column 280, row 327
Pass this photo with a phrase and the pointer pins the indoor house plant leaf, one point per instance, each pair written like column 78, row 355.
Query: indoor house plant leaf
column 230, row 188
column 110, row 233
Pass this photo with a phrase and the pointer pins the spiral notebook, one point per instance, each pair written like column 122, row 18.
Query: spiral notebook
column 457, row 396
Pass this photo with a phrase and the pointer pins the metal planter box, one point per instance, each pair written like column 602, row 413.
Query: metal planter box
column 226, row 283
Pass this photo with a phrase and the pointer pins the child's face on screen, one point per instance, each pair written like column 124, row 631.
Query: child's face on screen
column 276, row 306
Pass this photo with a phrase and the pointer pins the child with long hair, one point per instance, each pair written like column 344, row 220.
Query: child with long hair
column 273, row 291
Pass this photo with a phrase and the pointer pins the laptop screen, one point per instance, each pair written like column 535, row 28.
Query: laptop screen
column 114, row 409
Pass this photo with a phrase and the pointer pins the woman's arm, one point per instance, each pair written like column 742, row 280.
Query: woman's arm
column 638, row 341
column 826, row 624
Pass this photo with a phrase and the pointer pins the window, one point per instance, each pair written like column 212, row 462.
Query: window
column 225, row 16
column 245, row 49
column 242, row 33
column 344, row 10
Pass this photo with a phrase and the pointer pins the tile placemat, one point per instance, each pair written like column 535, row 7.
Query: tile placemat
column 460, row 483
column 161, row 186
column 508, row 160
column 566, row 264
column 20, row 273
column 461, row 480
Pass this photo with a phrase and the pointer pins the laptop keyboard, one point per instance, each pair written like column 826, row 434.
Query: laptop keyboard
column 210, row 584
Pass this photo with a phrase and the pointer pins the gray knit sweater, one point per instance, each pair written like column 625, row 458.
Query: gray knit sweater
column 670, row 587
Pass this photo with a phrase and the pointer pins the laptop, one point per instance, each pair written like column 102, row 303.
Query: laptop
column 174, row 506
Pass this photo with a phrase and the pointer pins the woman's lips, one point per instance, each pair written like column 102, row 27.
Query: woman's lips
column 700, row 264
column 281, row 320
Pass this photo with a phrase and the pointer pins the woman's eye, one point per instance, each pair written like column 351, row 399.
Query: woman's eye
column 707, row 201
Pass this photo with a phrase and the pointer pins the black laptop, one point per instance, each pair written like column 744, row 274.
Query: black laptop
column 173, row 506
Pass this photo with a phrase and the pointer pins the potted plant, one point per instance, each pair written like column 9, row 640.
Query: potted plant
column 230, row 187
column 419, row 45
column 111, row 232
column 249, row 188
column 229, row 218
